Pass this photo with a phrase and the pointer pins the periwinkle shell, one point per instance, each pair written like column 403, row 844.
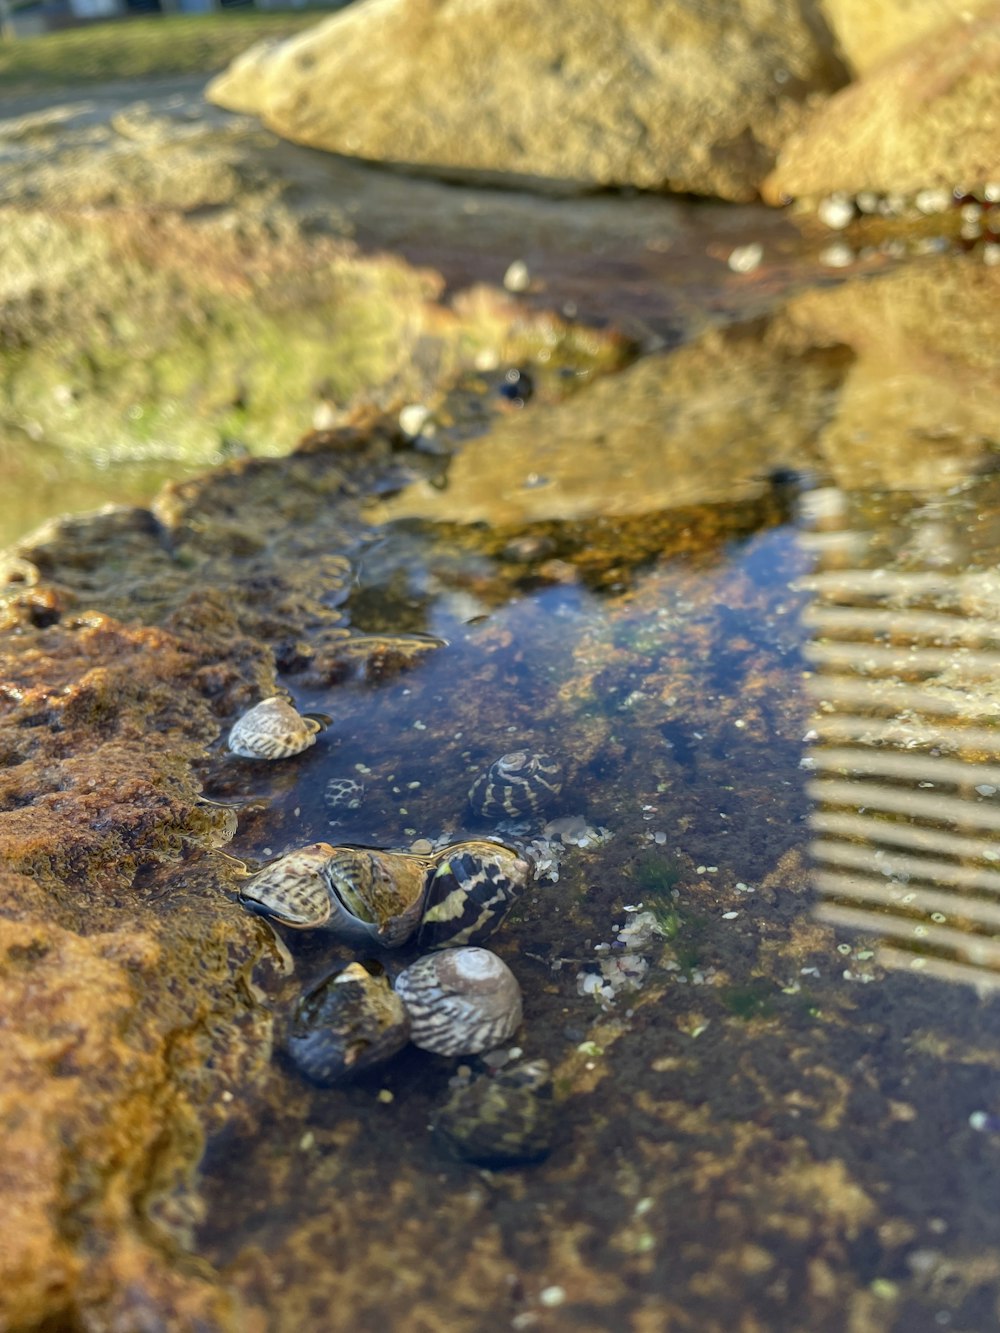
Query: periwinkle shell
column 501, row 1119
column 293, row 889
column 272, row 729
column 347, row 1024
column 377, row 896
column 472, row 887
column 516, row 784
column 460, row 1001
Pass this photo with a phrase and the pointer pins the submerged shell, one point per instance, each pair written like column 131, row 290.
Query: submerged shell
column 516, row 784
column 471, row 889
column 344, row 793
column 460, row 1001
column 503, row 1118
column 345, row 1025
column 378, row 896
column 293, row 889
column 272, row 729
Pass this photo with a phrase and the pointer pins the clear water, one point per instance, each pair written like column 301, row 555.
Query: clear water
column 780, row 1124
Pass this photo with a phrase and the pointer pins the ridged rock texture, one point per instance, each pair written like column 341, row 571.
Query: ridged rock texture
column 686, row 96
column 925, row 116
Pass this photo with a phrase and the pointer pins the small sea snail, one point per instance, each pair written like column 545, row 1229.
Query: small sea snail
column 460, row 1001
column 377, row 897
column 516, row 784
column 345, row 1025
column 293, row 889
column 501, row 1119
column 272, row 729
column 472, row 887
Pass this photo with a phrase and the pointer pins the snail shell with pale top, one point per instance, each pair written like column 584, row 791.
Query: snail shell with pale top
column 460, row 1001
column 347, row 1024
column 272, row 729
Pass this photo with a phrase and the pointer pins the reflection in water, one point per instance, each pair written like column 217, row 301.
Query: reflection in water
column 906, row 812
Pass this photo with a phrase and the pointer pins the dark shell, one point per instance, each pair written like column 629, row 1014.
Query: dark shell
column 501, row 1119
column 516, row 784
column 460, row 1001
column 378, row 896
column 347, row 1024
column 471, row 889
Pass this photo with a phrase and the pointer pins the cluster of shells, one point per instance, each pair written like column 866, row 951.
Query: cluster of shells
column 457, row 998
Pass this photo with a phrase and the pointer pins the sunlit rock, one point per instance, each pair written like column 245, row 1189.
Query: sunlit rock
column 675, row 96
column 924, row 117
column 867, row 32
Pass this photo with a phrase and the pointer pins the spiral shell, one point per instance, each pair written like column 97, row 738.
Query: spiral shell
column 472, row 887
column 516, row 784
column 293, row 889
column 272, row 729
column 460, row 1001
column 345, row 1025
column 501, row 1119
column 378, row 897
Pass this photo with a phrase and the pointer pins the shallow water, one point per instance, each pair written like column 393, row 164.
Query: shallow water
column 761, row 1124
column 745, row 590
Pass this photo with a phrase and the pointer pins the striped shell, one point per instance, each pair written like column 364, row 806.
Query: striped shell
column 293, row 889
column 516, row 784
column 471, row 889
column 460, row 1001
column 272, row 729
column 503, row 1118
column 345, row 1025
column 378, row 897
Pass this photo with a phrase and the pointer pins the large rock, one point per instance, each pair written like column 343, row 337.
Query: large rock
column 868, row 31
column 684, row 96
column 924, row 117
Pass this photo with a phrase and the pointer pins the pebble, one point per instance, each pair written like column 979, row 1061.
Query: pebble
column 422, row 847
column 550, row 1297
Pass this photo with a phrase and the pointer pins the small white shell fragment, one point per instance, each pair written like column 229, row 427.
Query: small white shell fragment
column 933, row 200
column 837, row 256
column 272, row 729
column 836, row 212
column 518, row 277
column 745, row 258
column 413, row 418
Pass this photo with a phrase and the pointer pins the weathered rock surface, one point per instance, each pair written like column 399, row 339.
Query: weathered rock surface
column 241, row 306
column 867, row 31
column 681, row 96
column 923, row 117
